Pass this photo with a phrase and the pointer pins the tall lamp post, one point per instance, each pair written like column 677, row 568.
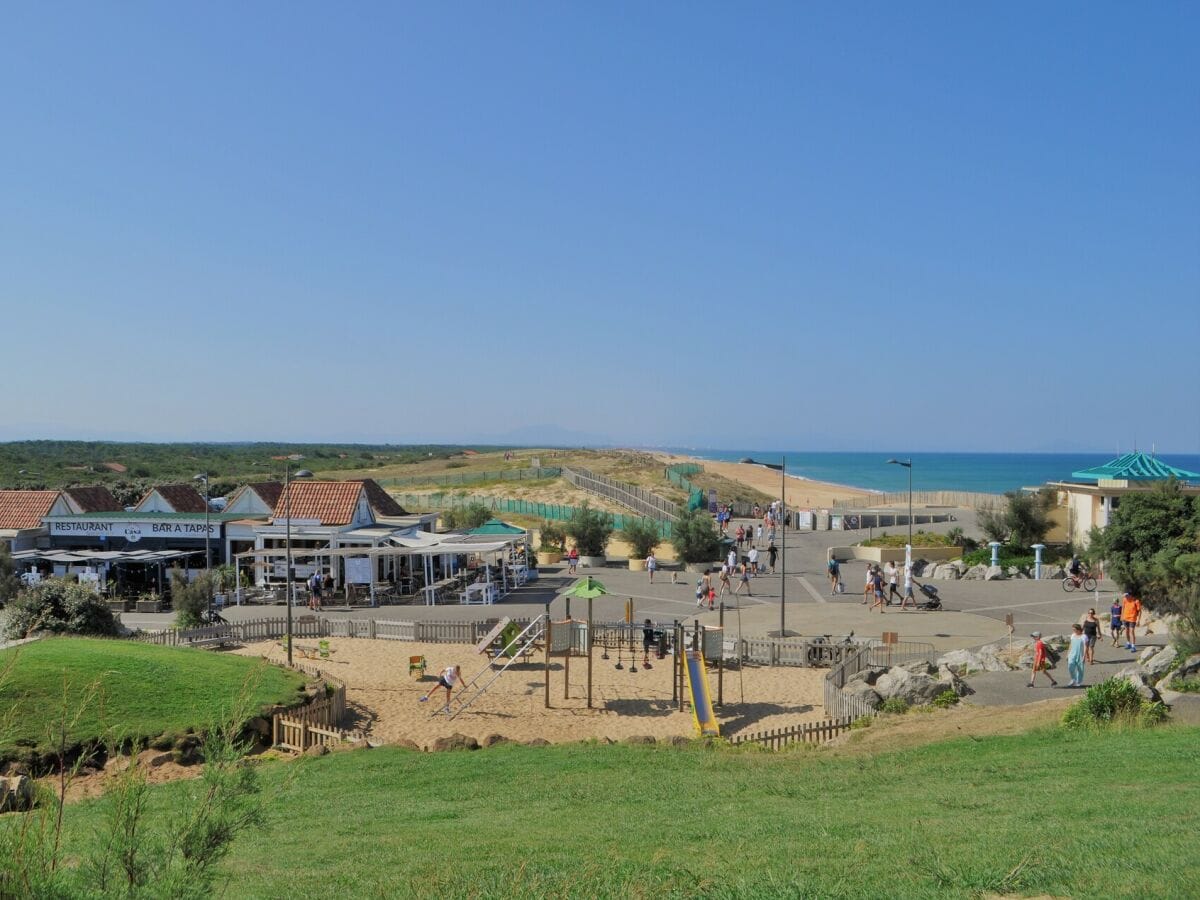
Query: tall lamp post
column 203, row 476
column 288, row 475
column 782, row 467
column 907, row 463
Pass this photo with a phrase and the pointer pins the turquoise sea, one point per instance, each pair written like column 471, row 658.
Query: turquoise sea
column 989, row 473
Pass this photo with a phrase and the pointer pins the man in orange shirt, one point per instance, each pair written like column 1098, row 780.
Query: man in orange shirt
column 1131, row 615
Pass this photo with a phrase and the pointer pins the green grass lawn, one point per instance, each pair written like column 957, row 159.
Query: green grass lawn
column 1068, row 814
column 143, row 690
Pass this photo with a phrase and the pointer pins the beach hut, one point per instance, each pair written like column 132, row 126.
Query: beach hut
column 1089, row 498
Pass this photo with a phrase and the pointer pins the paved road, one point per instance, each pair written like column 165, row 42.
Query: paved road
column 973, row 613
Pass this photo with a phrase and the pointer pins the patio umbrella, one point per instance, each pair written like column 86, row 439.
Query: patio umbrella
column 586, row 588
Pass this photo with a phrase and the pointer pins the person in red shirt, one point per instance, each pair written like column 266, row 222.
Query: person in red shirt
column 1131, row 615
column 1040, row 663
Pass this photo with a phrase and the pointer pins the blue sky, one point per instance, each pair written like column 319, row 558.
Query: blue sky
column 841, row 226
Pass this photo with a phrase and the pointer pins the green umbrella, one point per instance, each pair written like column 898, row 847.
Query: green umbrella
column 586, row 588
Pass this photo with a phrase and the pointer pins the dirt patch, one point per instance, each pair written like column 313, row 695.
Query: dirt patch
column 915, row 729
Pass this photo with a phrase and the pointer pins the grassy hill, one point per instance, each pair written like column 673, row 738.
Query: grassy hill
column 124, row 689
column 1083, row 815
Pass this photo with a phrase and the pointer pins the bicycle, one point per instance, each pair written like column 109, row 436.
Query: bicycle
column 1082, row 582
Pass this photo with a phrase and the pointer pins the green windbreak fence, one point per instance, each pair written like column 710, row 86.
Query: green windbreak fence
column 555, row 512
column 678, row 474
column 475, row 477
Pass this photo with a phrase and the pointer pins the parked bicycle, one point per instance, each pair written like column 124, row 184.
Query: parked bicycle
column 1081, row 582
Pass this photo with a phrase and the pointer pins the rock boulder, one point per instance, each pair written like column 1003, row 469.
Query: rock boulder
column 1156, row 663
column 456, row 741
column 860, row 690
column 16, row 793
column 994, row 573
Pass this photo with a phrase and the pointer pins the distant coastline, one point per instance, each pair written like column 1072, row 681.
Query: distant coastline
column 985, row 473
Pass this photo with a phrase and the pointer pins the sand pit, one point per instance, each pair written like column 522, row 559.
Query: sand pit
column 626, row 703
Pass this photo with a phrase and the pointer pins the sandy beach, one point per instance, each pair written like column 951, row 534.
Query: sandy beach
column 801, row 493
column 385, row 698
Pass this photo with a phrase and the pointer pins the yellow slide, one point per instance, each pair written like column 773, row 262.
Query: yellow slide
column 702, row 711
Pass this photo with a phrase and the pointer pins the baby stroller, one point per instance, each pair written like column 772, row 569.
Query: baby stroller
column 932, row 601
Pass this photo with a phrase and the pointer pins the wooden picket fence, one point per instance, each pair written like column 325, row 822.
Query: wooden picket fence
column 317, row 723
column 810, row 733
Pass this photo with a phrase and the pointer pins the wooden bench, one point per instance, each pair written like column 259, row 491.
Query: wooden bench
column 212, row 636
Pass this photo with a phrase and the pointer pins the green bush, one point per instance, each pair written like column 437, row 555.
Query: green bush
column 467, row 517
column 642, row 536
column 945, row 699
column 58, row 606
column 695, row 537
column 1114, row 701
column 590, row 529
column 861, row 722
column 553, row 537
column 191, row 601
column 1010, row 555
column 896, row 705
column 1186, row 685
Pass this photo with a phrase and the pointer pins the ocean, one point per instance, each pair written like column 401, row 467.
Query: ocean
column 988, row 473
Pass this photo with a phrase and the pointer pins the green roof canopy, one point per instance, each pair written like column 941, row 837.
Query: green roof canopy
column 1135, row 466
column 587, row 587
column 495, row 526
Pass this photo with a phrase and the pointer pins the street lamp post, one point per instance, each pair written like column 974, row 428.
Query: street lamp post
column 288, row 475
column 782, row 467
column 207, row 551
column 907, row 463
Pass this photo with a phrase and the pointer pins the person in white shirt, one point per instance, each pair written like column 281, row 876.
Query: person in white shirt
column 753, row 557
column 893, row 575
column 651, row 565
column 908, row 588
column 450, row 676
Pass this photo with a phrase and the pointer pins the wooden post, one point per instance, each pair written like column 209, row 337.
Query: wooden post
column 549, row 638
column 675, row 663
column 567, row 660
column 721, row 661
column 589, row 648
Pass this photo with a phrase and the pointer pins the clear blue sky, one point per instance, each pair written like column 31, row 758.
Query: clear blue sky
column 840, row 226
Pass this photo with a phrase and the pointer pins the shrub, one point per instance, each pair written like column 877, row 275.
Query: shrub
column 1115, row 700
column 59, row 607
column 695, row 537
column 1185, row 685
column 467, row 517
column 896, row 705
column 642, row 535
column 190, row 601
column 920, row 539
column 861, row 722
column 945, row 699
column 590, row 529
column 553, row 537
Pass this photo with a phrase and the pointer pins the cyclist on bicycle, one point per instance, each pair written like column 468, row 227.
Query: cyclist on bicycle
column 1076, row 570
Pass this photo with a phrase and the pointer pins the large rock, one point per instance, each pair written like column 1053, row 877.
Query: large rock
column 642, row 739
column 949, row 681
column 994, row 573
column 456, row 741
column 946, row 572
column 1189, row 667
column 976, row 573
column 16, row 793
column 1156, row 663
column 868, row 676
column 963, row 662
column 860, row 690
column 1052, row 573
column 900, row 683
column 493, row 739
column 1137, row 678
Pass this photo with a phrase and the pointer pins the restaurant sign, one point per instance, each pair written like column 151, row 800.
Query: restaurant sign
column 131, row 529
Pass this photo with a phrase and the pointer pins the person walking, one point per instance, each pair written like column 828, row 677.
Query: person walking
column 1131, row 616
column 651, row 565
column 649, row 639
column 449, row 677
column 315, row 586
column 877, row 588
column 1114, row 620
column 744, row 581
column 772, row 555
column 573, row 561
column 835, row 575
column 869, row 587
column 758, row 537
column 732, row 559
column 893, row 578
column 752, row 559
column 726, row 571
column 738, row 537
column 701, row 590
column 908, row 588
column 1040, row 662
column 1075, row 656
column 1091, row 631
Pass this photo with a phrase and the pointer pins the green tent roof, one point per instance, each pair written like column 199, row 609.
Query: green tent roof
column 495, row 526
column 1134, row 466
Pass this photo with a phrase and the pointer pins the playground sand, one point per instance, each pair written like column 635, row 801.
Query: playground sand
column 626, row 703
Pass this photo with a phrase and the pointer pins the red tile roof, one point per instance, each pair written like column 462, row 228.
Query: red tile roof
column 329, row 502
column 25, row 509
column 270, row 491
column 93, row 499
column 383, row 503
column 183, row 497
